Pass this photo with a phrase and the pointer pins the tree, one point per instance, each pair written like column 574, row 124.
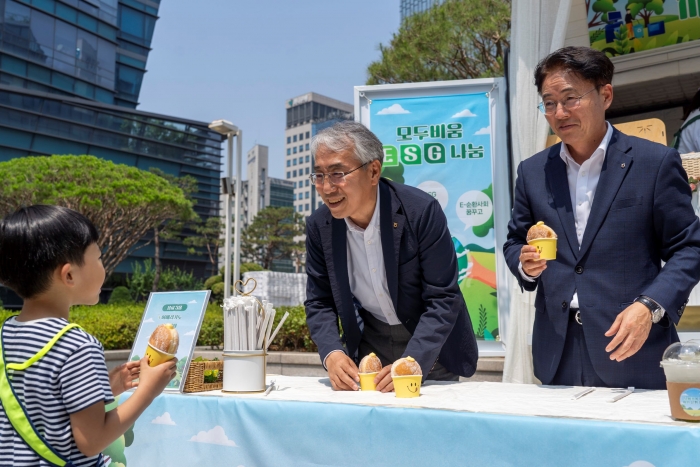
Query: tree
column 209, row 237
column 459, row 39
column 123, row 202
column 272, row 235
column 645, row 8
column 171, row 229
column 600, row 7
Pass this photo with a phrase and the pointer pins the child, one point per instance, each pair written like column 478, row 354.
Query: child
column 50, row 258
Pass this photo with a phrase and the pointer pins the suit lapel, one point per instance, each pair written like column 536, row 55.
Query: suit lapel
column 555, row 173
column 617, row 163
column 391, row 226
column 340, row 268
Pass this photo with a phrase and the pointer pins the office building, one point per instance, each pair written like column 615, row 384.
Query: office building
column 307, row 115
column 261, row 191
column 411, row 7
column 70, row 78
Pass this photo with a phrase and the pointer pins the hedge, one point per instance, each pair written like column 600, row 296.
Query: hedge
column 115, row 326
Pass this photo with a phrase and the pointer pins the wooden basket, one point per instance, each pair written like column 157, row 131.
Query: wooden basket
column 691, row 164
column 195, row 377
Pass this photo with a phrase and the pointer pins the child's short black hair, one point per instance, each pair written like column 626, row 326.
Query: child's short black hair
column 35, row 240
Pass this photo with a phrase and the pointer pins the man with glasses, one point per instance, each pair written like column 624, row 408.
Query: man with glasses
column 620, row 205
column 380, row 258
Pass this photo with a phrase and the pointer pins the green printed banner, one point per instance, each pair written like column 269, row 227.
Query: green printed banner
column 442, row 145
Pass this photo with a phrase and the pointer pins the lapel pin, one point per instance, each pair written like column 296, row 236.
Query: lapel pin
column 396, row 224
column 622, row 165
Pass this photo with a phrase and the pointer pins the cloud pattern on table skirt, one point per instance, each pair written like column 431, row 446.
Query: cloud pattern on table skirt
column 216, row 435
column 163, row 420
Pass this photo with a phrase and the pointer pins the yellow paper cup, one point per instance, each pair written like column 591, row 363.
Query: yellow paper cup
column 156, row 357
column 407, row 386
column 546, row 247
column 367, row 381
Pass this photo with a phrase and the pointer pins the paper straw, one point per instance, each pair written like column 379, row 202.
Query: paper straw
column 277, row 329
column 269, row 328
column 263, row 328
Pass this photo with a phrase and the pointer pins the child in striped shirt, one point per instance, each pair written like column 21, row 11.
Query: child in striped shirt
column 49, row 257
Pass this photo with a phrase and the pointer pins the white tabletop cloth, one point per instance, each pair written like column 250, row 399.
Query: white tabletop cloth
column 485, row 397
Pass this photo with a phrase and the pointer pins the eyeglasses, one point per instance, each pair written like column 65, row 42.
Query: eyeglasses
column 570, row 103
column 334, row 178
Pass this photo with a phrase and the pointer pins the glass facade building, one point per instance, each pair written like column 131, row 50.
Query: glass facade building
column 94, row 49
column 70, row 77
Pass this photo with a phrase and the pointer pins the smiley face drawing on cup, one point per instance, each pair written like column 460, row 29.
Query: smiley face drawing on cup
column 544, row 239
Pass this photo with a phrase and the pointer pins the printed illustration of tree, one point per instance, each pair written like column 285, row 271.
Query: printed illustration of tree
column 645, row 8
column 395, row 174
column 115, row 451
column 622, row 42
column 482, row 230
column 601, row 9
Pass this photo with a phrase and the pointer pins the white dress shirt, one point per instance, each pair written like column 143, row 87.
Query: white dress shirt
column 583, row 182
column 366, row 270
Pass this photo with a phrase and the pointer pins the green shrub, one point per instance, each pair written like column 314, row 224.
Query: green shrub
column 140, row 282
column 120, row 295
column 294, row 334
column 213, row 280
column 116, row 325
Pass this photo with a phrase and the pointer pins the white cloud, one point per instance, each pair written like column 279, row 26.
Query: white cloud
column 191, row 333
column 484, row 131
column 192, row 302
column 214, row 436
column 641, row 464
column 464, row 113
column 394, row 109
column 163, row 420
column 149, row 320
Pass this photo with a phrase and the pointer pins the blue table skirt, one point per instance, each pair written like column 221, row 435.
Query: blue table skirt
column 178, row 430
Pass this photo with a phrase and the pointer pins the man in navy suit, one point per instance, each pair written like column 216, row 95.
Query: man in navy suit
column 379, row 256
column 605, row 308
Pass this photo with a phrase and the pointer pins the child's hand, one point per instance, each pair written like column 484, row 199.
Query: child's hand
column 154, row 379
column 122, row 378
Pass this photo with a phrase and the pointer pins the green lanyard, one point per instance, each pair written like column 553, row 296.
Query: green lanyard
column 15, row 411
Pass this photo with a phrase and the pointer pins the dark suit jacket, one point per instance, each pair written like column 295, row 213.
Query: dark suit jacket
column 641, row 216
column 421, row 271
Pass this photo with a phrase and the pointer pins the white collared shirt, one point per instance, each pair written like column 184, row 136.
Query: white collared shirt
column 583, row 182
column 366, row 270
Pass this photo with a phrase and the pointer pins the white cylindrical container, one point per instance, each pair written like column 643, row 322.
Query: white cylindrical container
column 244, row 370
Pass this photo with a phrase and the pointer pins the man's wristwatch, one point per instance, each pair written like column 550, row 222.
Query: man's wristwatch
column 654, row 308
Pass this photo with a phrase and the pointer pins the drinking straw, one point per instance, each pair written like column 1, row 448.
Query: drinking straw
column 269, row 328
column 277, row 329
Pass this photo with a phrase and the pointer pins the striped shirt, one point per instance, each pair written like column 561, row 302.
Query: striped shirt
column 71, row 377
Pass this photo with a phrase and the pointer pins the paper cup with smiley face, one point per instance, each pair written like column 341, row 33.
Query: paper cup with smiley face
column 546, row 247
column 156, row 357
column 407, row 386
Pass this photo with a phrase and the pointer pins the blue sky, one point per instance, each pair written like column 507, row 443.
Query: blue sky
column 242, row 59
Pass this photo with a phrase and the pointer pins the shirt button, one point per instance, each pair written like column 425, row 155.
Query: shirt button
column 374, row 270
column 579, row 269
column 369, row 242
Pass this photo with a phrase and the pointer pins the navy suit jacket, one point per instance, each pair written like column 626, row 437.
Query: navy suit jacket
column 421, row 272
column 641, row 215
